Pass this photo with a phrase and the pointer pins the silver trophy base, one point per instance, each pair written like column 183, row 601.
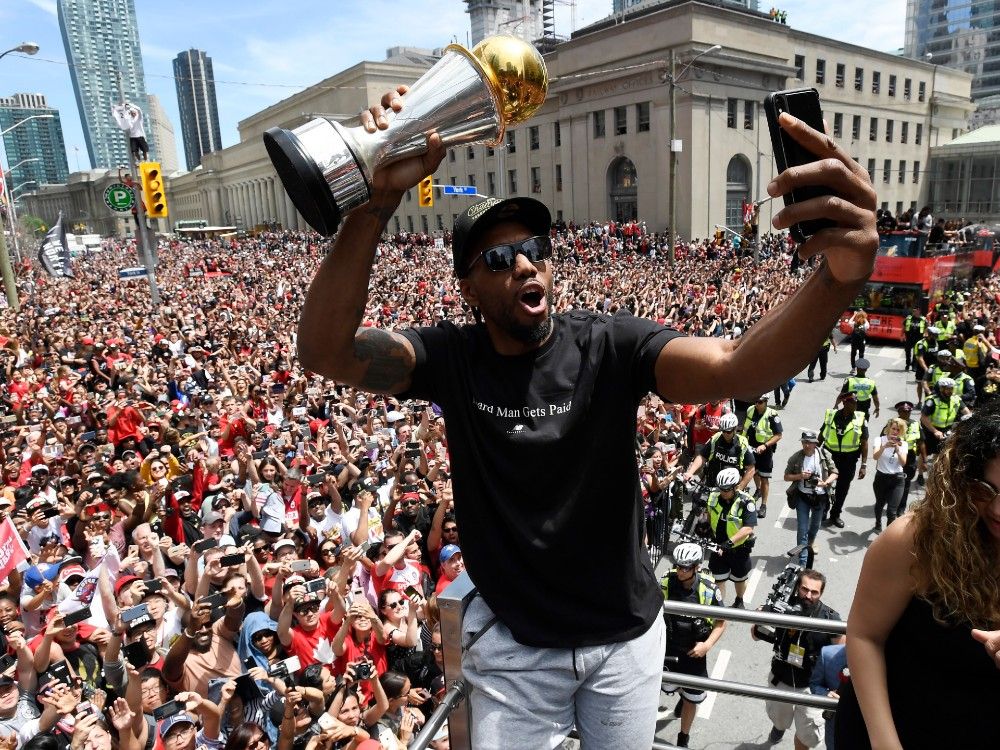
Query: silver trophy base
column 323, row 199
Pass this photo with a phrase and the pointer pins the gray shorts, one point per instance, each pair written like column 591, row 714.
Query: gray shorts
column 528, row 697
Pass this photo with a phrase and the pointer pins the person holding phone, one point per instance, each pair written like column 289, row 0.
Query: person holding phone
column 542, row 405
column 890, row 454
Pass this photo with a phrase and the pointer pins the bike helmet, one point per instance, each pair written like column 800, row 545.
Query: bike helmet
column 687, row 555
column 946, row 383
column 944, row 354
column 728, row 422
column 727, row 479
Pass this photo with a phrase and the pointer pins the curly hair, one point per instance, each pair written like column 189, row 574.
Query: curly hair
column 957, row 563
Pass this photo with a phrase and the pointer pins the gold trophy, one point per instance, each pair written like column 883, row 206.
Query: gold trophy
column 466, row 97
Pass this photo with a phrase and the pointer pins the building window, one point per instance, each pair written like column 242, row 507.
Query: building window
column 899, row 207
column 408, row 196
column 423, row 223
column 556, row 135
column 892, row 85
column 512, row 181
column 876, row 81
column 841, row 75
column 902, row 171
column 536, row 180
column 453, row 180
column 451, row 155
column 916, row 172
column 820, row 71
column 491, row 183
column 800, row 67
column 904, row 131
column 838, row 125
column 921, row 91
column 472, row 180
column 409, row 224
column 511, row 143
column 440, row 222
column 859, row 79
column 888, row 131
column 558, row 178
column 919, row 134
column 748, row 114
column 886, row 170
column 856, row 128
column 490, row 151
column 599, row 124
column 395, row 220
column 470, row 153
column 873, row 130
column 871, row 170
column 731, row 113
column 642, row 117
column 621, row 123
column 533, row 138
column 907, row 88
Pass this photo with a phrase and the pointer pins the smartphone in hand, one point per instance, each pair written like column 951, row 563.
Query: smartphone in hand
column 804, row 105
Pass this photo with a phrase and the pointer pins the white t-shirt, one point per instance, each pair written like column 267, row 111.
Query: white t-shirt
column 351, row 519
column 815, row 465
column 888, row 462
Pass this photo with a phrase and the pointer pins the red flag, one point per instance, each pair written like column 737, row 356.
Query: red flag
column 13, row 553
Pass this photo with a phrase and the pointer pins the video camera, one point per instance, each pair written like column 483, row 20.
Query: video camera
column 782, row 599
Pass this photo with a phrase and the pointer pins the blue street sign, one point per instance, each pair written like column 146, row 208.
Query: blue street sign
column 458, row 189
column 131, row 273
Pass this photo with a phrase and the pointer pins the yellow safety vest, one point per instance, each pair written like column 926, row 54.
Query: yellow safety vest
column 972, row 349
column 850, row 440
column 740, row 441
column 706, row 590
column 946, row 329
column 861, row 387
column 946, row 412
column 734, row 518
column 762, row 431
column 936, row 374
column 910, row 322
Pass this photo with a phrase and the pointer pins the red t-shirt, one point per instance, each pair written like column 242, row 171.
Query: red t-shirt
column 129, row 421
column 313, row 646
column 371, row 650
column 237, row 428
column 397, row 579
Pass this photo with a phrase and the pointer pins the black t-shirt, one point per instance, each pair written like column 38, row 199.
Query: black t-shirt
column 810, row 641
column 684, row 631
column 726, row 455
column 544, row 472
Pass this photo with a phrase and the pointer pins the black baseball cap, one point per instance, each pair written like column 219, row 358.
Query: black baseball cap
column 481, row 216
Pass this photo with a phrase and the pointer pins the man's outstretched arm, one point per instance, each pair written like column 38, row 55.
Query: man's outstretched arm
column 330, row 339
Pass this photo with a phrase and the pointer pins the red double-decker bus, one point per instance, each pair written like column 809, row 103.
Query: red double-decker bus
column 909, row 273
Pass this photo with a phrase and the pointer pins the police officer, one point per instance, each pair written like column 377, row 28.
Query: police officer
column 922, row 358
column 913, row 328
column 689, row 639
column 965, row 387
column 863, row 387
column 904, row 410
column 732, row 516
column 845, row 435
column 937, row 370
column 762, row 429
column 821, row 358
column 795, row 654
column 726, row 448
column 939, row 414
column 977, row 351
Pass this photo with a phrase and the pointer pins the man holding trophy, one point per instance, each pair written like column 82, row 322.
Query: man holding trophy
column 540, row 407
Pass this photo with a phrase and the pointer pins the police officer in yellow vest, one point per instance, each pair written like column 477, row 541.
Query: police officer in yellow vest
column 689, row 639
column 863, row 388
column 726, row 448
column 939, row 414
column 946, row 329
column 922, row 357
column 762, row 429
column 904, row 410
column 913, row 328
column 965, row 387
column 937, row 370
column 977, row 351
column 845, row 435
column 821, row 358
column 732, row 516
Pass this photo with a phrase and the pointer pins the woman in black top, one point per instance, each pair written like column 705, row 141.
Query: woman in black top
column 921, row 675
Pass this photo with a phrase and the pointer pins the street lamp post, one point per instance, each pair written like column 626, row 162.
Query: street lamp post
column 673, row 80
column 13, row 206
column 25, row 48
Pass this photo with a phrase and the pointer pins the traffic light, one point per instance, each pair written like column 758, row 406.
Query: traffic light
column 153, row 192
column 425, row 193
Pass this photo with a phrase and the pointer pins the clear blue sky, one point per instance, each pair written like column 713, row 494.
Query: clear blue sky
column 279, row 48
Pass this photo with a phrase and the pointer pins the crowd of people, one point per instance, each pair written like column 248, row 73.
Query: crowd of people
column 223, row 549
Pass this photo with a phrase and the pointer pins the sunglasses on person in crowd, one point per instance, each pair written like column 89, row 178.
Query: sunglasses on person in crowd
column 502, row 257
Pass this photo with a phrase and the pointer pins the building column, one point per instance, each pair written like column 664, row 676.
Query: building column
column 255, row 198
column 279, row 202
column 247, row 219
column 291, row 220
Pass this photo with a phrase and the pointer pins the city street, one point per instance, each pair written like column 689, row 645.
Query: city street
column 726, row 721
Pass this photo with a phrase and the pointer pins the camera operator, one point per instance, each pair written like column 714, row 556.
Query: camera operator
column 732, row 516
column 795, row 655
column 689, row 639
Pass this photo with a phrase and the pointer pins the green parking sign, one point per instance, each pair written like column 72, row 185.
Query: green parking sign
column 119, row 197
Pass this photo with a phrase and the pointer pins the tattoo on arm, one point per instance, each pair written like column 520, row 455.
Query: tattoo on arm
column 389, row 363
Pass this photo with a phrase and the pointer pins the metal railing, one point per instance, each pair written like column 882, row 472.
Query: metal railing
column 454, row 708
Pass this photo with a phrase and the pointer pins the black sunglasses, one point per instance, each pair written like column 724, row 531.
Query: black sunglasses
column 502, row 257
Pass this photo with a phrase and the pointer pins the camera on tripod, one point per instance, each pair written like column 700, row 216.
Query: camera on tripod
column 782, row 599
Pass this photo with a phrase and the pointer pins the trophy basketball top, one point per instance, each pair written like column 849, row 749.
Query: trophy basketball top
column 515, row 73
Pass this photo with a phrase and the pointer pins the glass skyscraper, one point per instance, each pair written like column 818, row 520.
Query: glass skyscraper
column 40, row 139
column 102, row 42
column 962, row 34
column 198, row 107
